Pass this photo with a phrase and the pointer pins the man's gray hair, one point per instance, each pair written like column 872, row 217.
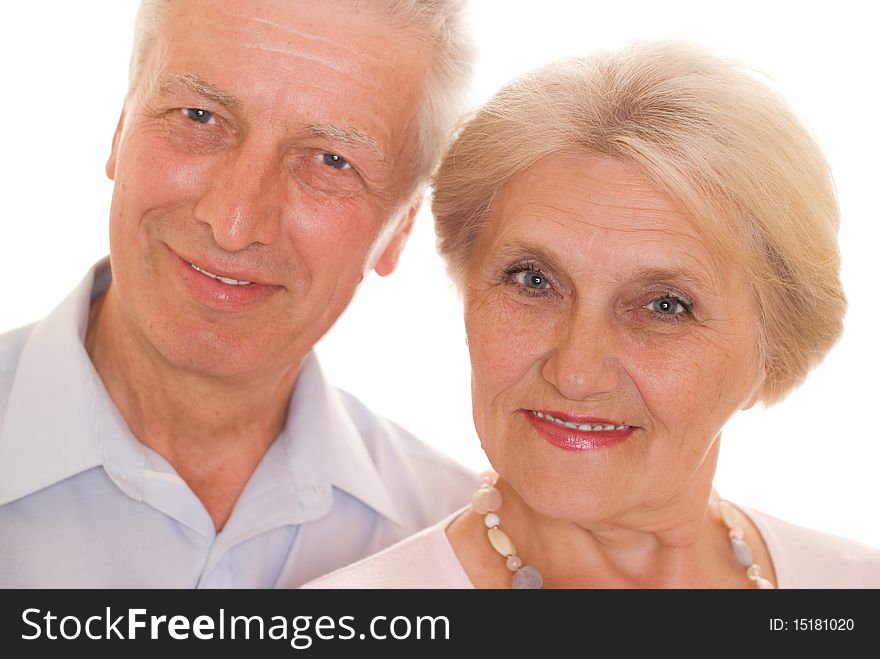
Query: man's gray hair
column 444, row 24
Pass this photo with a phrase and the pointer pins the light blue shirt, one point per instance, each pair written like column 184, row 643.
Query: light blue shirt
column 84, row 504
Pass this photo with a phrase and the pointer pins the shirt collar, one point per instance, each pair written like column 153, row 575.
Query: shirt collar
column 48, row 433
column 45, row 435
column 323, row 441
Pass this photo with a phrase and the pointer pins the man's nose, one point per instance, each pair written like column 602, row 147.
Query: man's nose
column 244, row 199
column 584, row 361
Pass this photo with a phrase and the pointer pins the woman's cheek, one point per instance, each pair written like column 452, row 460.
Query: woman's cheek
column 503, row 348
column 681, row 389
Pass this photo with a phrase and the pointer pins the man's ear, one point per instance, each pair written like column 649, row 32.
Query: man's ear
column 110, row 167
column 390, row 257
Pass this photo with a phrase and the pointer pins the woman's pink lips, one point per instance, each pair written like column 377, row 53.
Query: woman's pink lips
column 570, row 439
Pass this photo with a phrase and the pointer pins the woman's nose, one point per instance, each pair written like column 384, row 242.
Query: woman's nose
column 583, row 362
column 243, row 201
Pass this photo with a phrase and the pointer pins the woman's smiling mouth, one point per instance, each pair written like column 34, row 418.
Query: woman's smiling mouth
column 577, row 434
column 599, row 424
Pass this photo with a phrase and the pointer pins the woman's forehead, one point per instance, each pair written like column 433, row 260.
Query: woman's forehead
column 589, row 198
column 580, row 209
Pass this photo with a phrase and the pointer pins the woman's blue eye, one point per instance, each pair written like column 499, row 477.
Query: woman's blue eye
column 667, row 306
column 334, row 161
column 531, row 279
column 198, row 115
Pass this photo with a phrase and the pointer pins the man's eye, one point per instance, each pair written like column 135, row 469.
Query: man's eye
column 198, row 115
column 334, row 161
column 531, row 279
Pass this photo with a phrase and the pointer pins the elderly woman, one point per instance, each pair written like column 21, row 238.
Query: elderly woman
column 646, row 244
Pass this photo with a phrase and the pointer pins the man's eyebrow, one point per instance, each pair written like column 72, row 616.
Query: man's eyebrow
column 200, row 87
column 347, row 136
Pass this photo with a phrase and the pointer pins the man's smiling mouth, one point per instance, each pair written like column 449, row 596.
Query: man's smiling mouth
column 220, row 278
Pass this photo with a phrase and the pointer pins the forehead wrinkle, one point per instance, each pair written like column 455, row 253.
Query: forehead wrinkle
column 641, row 204
column 291, row 32
column 327, row 62
column 320, row 44
column 353, row 67
column 572, row 220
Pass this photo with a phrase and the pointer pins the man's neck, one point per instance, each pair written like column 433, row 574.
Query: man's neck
column 213, row 431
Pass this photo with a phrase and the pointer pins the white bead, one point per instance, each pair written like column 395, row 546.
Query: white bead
column 491, row 520
column 764, row 584
column 487, row 500
column 501, row 542
column 728, row 514
column 754, row 571
column 514, row 563
column 487, row 478
column 736, row 533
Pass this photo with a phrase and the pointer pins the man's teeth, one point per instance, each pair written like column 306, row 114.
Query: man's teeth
column 586, row 427
column 225, row 280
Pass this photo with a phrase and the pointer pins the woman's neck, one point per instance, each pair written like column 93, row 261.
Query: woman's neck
column 682, row 545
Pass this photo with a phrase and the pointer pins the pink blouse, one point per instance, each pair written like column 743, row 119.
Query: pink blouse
column 802, row 558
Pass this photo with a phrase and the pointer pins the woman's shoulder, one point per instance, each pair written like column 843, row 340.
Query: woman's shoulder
column 423, row 560
column 807, row 558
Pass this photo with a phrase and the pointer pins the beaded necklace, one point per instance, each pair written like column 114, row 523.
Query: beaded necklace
column 487, row 500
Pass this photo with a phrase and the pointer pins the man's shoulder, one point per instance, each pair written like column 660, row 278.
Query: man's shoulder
column 388, row 440
column 11, row 344
column 416, row 466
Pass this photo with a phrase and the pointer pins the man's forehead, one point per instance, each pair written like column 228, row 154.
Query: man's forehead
column 285, row 18
column 338, row 36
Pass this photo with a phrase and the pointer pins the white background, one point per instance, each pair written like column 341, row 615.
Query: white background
column 400, row 347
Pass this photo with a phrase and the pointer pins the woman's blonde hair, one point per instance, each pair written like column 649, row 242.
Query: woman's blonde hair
column 721, row 143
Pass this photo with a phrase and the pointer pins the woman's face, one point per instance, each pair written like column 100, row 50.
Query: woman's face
column 592, row 301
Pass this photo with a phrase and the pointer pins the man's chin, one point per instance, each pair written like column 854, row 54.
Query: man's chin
column 218, row 356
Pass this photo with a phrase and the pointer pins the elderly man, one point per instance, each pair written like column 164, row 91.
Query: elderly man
column 167, row 425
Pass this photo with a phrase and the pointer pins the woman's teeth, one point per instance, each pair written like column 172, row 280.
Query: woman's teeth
column 585, row 427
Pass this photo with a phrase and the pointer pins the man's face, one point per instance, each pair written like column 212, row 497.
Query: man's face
column 265, row 142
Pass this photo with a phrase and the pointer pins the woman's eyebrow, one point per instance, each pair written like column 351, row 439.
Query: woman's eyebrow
column 518, row 249
column 657, row 275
